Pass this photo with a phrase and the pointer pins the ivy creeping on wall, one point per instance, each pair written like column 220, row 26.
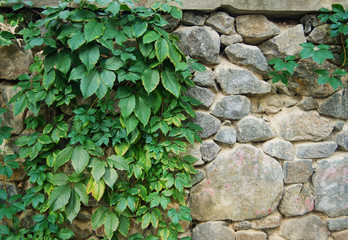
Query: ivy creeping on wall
column 107, row 121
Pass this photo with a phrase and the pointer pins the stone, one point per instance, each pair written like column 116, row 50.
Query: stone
column 309, row 21
column 173, row 23
column 10, row 190
column 249, row 56
column 285, row 44
column 321, row 35
column 330, row 185
column 268, row 222
column 221, row 22
column 232, row 107
column 304, row 80
column 297, row 200
column 279, row 149
column 255, row 28
column 343, row 235
column 298, row 171
column 303, row 126
column 205, row 79
column 14, row 61
column 241, row 183
column 339, row 125
column 226, row 135
column 196, row 178
column 194, row 150
column 213, row 230
column 337, row 224
column 316, row 150
column 342, row 140
column 209, row 150
column 308, row 103
column 84, row 216
column 227, row 40
column 236, row 80
column 194, row 18
column 336, row 106
column 250, row 235
column 253, row 129
column 82, row 230
column 275, row 101
column 26, row 219
column 243, row 225
column 201, row 43
column 209, row 123
column 306, row 227
column 204, row 95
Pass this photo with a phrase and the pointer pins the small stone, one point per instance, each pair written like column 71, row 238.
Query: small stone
column 196, row 178
column 309, row 21
column 255, row 28
column 213, row 230
column 82, row 230
column 342, row 140
column 339, row 125
column 221, row 22
column 337, row 224
column 232, row 107
column 205, row 79
column 269, row 222
column 253, row 129
column 194, row 18
column 209, row 124
column 297, row 200
column 308, row 104
column 316, row 150
column 298, row 171
column 173, row 22
column 10, row 190
column 280, row 149
column 250, row 235
column 321, row 35
column 336, row 106
column 204, row 95
column 209, row 150
column 343, row 235
column 194, row 150
column 275, row 101
column 84, row 216
column 226, row 135
column 26, row 219
column 227, row 40
column 243, row 225
column 288, row 101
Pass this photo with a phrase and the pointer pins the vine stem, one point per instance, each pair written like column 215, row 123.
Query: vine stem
column 344, row 51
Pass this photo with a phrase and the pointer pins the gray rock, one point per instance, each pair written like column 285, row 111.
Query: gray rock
column 275, row 101
column 225, row 194
column 253, row 129
column 209, row 150
column 196, row 178
column 227, row 40
column 194, row 18
column 342, row 140
column 285, row 44
column 26, row 219
column 321, row 35
column 297, row 200
column 221, row 22
column 316, row 150
column 306, row 227
column 194, row 150
column 339, row 125
column 236, row 80
column 308, row 104
column 201, row 43
column 280, row 149
column 232, row 107
column 336, row 106
column 269, row 222
column 213, row 230
column 205, row 79
column 173, row 23
column 330, row 186
column 204, row 95
column 226, row 135
column 242, row 225
column 209, row 124
column 247, row 55
column 298, row 171
column 337, row 224
column 250, row 235
column 255, row 28
column 10, row 190
column 84, row 216
column 309, row 21
column 342, row 235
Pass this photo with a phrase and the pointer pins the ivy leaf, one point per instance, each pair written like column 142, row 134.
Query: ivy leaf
column 73, row 207
column 63, row 61
column 114, row 8
column 170, row 82
column 123, row 227
column 98, row 217
column 59, row 197
column 162, row 49
column 59, row 179
column 93, row 30
column 127, row 105
column 142, row 111
column 145, row 49
column 20, row 105
column 131, row 123
column 62, row 157
column 113, row 63
column 79, row 158
column 76, row 40
column 108, row 78
column 90, row 84
column 110, row 224
column 48, row 79
column 139, row 28
column 98, row 170
column 118, row 162
column 176, row 12
column 65, row 233
column 150, row 79
column 151, row 36
column 81, row 190
column 110, row 176
column 96, row 188
column 89, row 55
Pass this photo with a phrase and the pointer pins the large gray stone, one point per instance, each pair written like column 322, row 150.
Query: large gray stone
column 213, row 230
column 336, row 106
column 201, row 43
column 227, row 40
column 337, row 224
column 280, row 149
column 241, row 183
column 285, row 44
column 321, row 35
column 226, row 135
column 221, row 22
column 204, row 95
column 250, row 235
column 194, row 18
column 253, row 129
column 232, row 107
column 205, row 79
column 316, row 150
column 236, row 80
column 331, row 186
column 255, row 28
column 308, row 103
column 342, row 140
column 306, row 227
column 298, row 171
column 249, row 56
column 209, row 124
column 209, row 150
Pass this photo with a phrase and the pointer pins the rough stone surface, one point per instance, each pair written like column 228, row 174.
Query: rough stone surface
column 247, row 55
column 316, row 150
column 250, row 235
column 280, row 149
column 255, row 28
column 269, row 222
column 201, row 43
column 306, row 227
column 337, row 224
column 310, row 21
column 339, row 125
column 232, row 107
column 194, row 18
column 196, row 178
column 209, row 150
column 242, row 183
column 308, row 104
column 330, row 185
column 321, row 35
column 209, row 123
column 227, row 40
column 204, row 95
column 226, row 135
column 213, row 230
column 221, row 22
column 336, row 106
column 205, row 79
column 235, row 80
column 297, row 171
column 342, row 140
column 285, row 44
column 173, row 23
column 297, row 200
column 275, row 101
column 253, row 129
column 82, row 230
column 304, row 126
column 10, row 190
column 343, row 235
column 26, row 219
column 194, row 150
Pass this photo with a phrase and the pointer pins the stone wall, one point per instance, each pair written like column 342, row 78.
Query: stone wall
column 273, row 163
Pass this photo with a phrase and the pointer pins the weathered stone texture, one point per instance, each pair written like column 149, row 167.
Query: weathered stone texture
column 209, row 150
column 268, row 222
column 336, row 106
column 321, row 35
column 205, row 79
column 343, row 235
column 213, row 230
column 227, row 40
column 204, row 95
column 316, row 150
column 297, row 171
column 194, row 18
column 337, row 224
column 280, row 149
column 232, row 107
column 342, row 140
column 196, row 178
column 308, row 104
column 251, row 235
column 252, row 129
column 226, row 135
column 209, row 124
column 222, row 23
